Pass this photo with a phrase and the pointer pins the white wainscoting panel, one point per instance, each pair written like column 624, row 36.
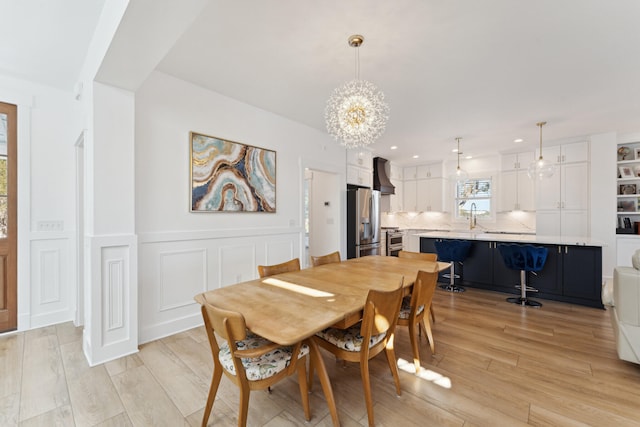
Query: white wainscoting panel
column 236, row 263
column 279, row 250
column 182, row 275
column 111, row 295
column 174, row 267
column 51, row 289
column 115, row 288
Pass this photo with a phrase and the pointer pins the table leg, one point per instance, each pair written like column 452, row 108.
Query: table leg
column 321, row 370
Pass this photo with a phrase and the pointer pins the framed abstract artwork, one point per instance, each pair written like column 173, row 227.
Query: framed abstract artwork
column 228, row 176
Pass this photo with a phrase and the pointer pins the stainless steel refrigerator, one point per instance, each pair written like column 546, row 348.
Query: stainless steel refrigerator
column 363, row 222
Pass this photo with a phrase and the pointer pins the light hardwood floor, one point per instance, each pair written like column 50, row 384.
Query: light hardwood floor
column 496, row 364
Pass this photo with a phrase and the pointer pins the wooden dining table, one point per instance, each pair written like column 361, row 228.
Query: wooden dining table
column 291, row 307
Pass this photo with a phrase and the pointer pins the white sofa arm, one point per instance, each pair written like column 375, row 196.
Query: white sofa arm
column 625, row 313
column 626, row 294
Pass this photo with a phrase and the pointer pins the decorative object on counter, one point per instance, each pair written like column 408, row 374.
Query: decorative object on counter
column 453, row 251
column 525, row 258
column 460, row 174
column 623, row 152
column 228, row 176
column 540, row 169
column 356, row 113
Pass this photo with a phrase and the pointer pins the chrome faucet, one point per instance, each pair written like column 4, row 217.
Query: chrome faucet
column 472, row 216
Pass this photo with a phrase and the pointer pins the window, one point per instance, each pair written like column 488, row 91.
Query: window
column 474, row 191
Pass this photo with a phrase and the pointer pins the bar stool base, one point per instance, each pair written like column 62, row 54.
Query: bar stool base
column 452, row 288
column 524, row 302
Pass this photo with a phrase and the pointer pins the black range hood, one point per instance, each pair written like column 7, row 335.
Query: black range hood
column 380, row 179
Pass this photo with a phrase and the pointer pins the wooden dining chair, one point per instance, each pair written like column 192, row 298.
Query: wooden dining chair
column 248, row 360
column 377, row 329
column 424, row 256
column 325, row 259
column 271, row 270
column 414, row 307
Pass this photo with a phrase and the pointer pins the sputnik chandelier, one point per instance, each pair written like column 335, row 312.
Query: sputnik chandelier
column 356, row 114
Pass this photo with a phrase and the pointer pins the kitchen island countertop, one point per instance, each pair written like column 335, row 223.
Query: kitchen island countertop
column 510, row 237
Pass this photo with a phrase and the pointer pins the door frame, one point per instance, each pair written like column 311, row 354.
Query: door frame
column 9, row 317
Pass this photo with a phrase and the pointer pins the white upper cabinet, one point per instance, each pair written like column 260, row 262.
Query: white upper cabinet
column 517, row 161
column 361, row 158
column 395, row 172
column 433, row 170
column 360, row 167
column 409, row 173
column 517, row 190
column 563, row 199
column 566, row 153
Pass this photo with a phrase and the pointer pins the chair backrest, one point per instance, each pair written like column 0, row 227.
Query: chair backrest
column 523, row 257
column 418, row 255
column 228, row 325
column 381, row 312
column 452, row 250
column 325, row 259
column 423, row 290
column 270, row 270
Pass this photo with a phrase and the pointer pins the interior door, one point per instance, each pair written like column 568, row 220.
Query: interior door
column 8, row 219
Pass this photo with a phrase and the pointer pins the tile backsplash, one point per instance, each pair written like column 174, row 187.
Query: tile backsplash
column 513, row 222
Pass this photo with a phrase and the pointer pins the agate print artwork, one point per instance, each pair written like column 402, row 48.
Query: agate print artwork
column 231, row 177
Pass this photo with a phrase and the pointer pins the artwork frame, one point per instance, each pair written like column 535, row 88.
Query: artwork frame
column 230, row 176
column 626, row 172
column 627, row 189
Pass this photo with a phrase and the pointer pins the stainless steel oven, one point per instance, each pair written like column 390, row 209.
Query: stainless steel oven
column 394, row 242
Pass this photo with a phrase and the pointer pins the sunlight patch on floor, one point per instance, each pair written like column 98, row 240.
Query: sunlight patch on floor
column 425, row 374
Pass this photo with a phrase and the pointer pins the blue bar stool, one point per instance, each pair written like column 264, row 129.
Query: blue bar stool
column 452, row 251
column 524, row 258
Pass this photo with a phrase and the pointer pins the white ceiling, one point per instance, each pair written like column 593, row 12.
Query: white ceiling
column 46, row 41
column 486, row 71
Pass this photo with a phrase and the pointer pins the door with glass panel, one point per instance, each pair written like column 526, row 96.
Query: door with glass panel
column 8, row 220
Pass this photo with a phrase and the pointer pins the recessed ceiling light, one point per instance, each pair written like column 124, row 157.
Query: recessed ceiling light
column 415, row 156
column 455, row 150
column 394, row 147
column 469, row 157
column 518, row 140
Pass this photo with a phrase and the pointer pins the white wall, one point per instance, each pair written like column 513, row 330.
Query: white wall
column 603, row 197
column 324, row 213
column 183, row 253
column 48, row 126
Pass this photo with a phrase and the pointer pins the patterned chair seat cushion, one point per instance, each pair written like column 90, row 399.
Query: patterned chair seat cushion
column 405, row 309
column 259, row 368
column 348, row 339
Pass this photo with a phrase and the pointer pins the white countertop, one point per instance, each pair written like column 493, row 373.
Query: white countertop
column 521, row 238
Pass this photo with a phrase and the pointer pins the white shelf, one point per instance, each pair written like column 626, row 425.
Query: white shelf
column 629, row 213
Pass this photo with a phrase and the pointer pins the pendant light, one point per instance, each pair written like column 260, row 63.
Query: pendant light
column 356, row 113
column 460, row 175
column 540, row 169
